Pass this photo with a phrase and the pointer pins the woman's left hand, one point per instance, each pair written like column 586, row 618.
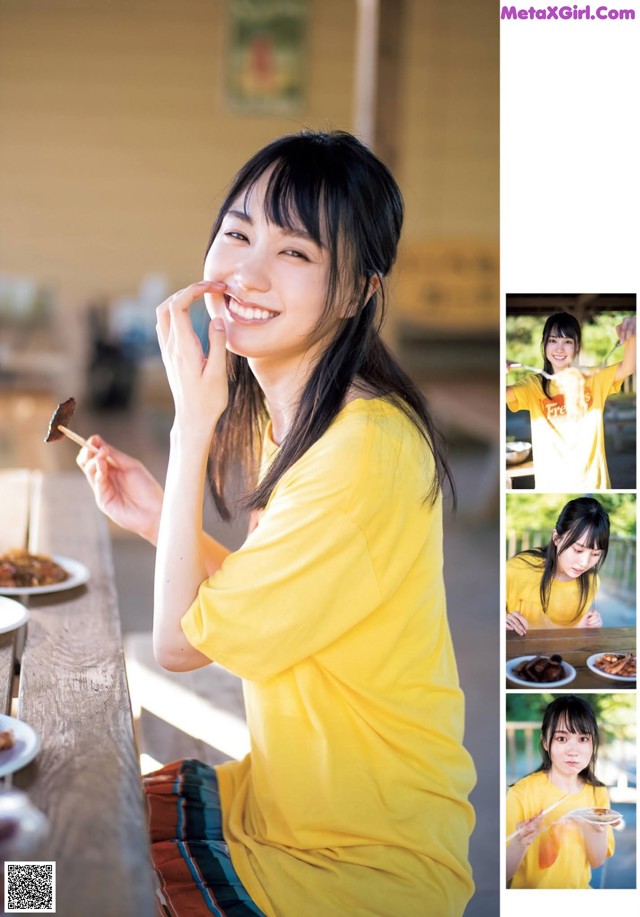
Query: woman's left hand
column 626, row 329
column 592, row 619
column 198, row 383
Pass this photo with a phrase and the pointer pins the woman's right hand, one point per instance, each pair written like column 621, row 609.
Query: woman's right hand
column 127, row 493
column 517, row 623
column 528, row 830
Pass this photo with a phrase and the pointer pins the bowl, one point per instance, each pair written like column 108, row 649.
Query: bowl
column 569, row 674
column 518, row 452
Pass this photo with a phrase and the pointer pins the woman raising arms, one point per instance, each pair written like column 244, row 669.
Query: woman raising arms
column 567, row 428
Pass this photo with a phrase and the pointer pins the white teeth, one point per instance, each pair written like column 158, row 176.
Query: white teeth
column 247, row 312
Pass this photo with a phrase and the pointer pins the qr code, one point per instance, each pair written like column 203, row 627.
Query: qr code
column 29, row 888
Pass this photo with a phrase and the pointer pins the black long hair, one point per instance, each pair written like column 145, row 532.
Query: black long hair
column 562, row 325
column 584, row 520
column 347, row 199
column 574, row 715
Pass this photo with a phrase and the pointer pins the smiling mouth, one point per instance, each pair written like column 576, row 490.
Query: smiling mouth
column 239, row 312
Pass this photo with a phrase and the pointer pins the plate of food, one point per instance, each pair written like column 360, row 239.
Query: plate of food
column 538, row 670
column 616, row 666
column 18, row 744
column 24, row 573
column 597, row 816
column 12, row 615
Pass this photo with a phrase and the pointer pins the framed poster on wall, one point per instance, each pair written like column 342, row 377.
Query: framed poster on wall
column 266, row 52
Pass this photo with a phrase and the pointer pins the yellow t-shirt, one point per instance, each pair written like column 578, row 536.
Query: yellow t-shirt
column 523, row 595
column 353, row 800
column 557, row 857
column 567, row 454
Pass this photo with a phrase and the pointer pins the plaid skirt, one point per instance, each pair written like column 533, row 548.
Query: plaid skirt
column 188, row 849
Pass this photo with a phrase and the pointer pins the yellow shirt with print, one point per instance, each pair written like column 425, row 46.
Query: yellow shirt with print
column 557, row 858
column 524, row 573
column 567, row 454
column 353, row 799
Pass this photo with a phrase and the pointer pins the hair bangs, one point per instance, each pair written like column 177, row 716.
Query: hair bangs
column 562, row 325
column 294, row 200
column 576, row 721
column 585, row 521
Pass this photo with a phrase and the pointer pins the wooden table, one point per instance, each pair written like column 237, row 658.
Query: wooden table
column 575, row 645
column 72, row 690
column 523, row 470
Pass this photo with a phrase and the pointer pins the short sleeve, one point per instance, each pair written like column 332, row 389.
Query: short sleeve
column 515, row 810
column 604, row 383
column 524, row 393
column 303, row 578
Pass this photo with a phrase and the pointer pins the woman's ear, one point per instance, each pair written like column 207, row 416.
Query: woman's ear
column 555, row 538
column 373, row 286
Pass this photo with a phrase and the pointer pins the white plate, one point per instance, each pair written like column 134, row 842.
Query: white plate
column 78, row 576
column 594, row 668
column 589, row 815
column 570, row 674
column 12, row 615
column 26, row 748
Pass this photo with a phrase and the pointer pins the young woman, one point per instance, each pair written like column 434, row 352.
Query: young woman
column 569, row 446
column 353, row 799
column 556, row 585
column 556, row 850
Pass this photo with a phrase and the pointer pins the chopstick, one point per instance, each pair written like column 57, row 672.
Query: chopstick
column 604, row 362
column 544, row 812
column 533, row 369
column 83, row 442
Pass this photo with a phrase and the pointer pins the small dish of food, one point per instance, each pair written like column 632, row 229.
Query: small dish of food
column 597, row 816
column 616, row 666
column 18, row 744
column 25, row 573
column 537, row 670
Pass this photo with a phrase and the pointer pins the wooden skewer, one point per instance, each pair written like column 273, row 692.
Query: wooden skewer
column 544, row 812
column 83, row 442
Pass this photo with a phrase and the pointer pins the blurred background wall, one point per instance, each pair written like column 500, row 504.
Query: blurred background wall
column 117, row 139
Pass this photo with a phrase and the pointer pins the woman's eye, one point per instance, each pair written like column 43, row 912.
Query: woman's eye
column 234, row 234
column 296, row 254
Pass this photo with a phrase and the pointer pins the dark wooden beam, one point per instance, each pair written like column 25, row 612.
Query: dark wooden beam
column 390, row 72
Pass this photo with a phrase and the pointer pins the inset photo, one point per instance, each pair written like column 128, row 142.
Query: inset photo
column 572, row 792
column 570, row 591
column 570, row 393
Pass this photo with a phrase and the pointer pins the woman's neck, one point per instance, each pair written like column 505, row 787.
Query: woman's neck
column 283, row 386
column 568, row 783
column 282, row 383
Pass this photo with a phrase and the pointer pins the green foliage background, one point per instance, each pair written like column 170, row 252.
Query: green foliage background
column 615, row 713
column 539, row 512
column 524, row 336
